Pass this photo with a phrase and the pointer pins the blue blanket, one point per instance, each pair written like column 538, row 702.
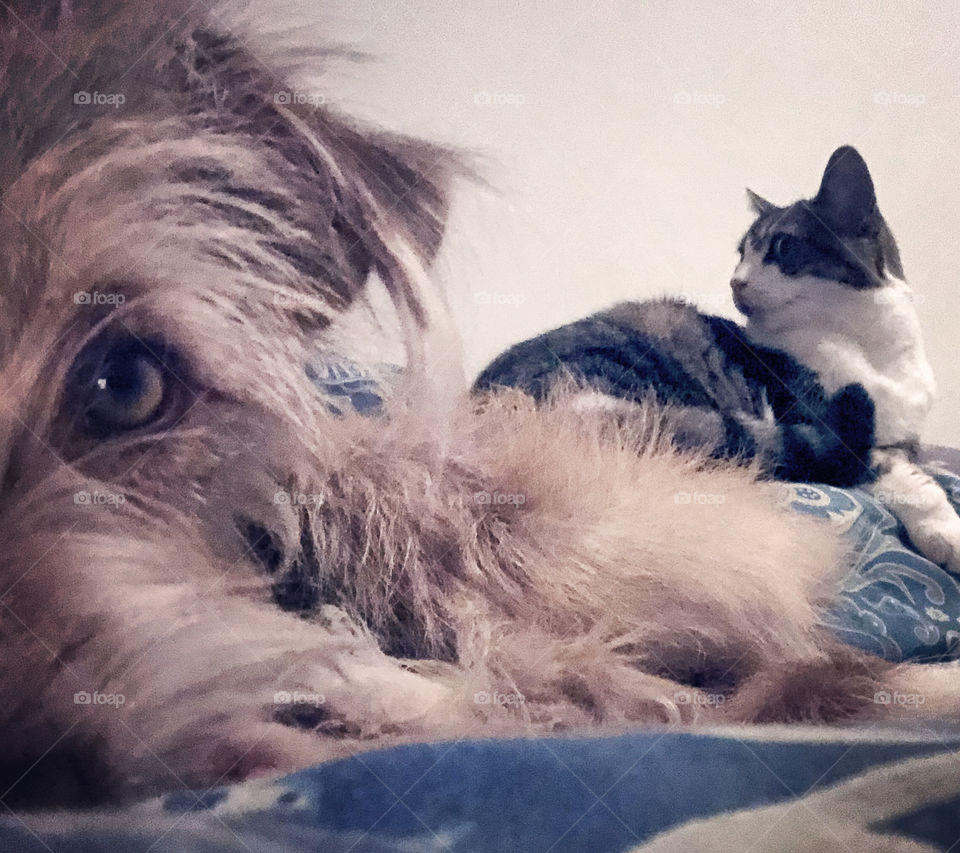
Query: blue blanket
column 813, row 790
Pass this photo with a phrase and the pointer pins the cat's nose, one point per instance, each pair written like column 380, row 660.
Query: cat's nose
column 738, row 285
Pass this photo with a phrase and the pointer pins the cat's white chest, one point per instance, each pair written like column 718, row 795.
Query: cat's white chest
column 872, row 337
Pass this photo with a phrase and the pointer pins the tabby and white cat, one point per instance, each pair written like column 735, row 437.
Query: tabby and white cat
column 727, row 395
column 822, row 280
column 828, row 381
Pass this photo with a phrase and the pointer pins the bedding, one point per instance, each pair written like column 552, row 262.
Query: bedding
column 894, row 602
column 803, row 790
column 784, row 788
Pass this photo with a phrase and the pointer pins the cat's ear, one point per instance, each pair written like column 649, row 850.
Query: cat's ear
column 758, row 204
column 846, row 198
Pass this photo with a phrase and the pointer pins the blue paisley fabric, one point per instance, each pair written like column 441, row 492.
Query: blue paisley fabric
column 894, row 602
column 347, row 386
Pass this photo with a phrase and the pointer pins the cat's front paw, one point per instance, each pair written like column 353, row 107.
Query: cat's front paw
column 939, row 541
column 850, row 418
column 853, row 414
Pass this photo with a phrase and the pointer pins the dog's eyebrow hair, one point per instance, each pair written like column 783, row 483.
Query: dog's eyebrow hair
column 265, row 198
column 221, row 179
column 200, row 172
column 240, row 217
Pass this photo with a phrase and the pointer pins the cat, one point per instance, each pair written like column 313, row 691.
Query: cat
column 822, row 280
column 728, row 397
column 828, row 381
column 725, row 394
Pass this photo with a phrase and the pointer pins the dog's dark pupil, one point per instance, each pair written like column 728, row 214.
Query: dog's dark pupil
column 123, row 380
column 121, row 388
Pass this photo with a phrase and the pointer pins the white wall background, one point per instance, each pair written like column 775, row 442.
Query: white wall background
column 609, row 186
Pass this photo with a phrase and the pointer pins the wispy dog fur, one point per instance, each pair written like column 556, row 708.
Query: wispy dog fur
column 204, row 234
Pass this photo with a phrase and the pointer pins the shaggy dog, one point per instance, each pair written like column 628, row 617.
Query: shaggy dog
column 209, row 575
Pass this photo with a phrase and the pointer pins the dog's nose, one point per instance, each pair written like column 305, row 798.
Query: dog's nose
column 262, row 545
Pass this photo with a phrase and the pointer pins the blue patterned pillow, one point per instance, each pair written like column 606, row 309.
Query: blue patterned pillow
column 894, row 603
column 347, row 385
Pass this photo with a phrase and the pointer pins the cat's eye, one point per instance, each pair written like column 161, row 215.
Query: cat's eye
column 119, row 386
column 784, row 250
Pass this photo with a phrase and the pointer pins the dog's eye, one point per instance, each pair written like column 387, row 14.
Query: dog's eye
column 121, row 387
